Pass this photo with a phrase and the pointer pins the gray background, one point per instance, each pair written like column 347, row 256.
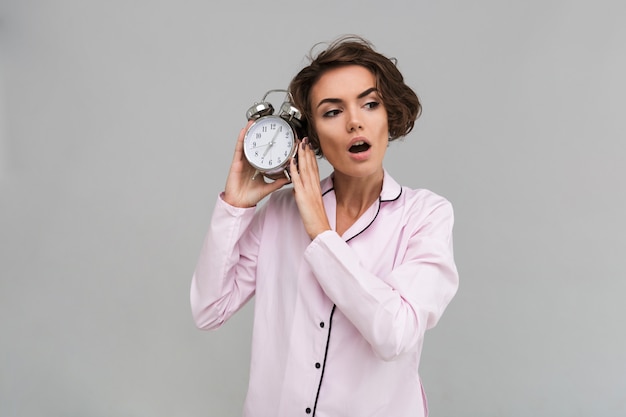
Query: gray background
column 117, row 124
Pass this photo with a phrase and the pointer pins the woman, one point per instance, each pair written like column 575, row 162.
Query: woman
column 349, row 272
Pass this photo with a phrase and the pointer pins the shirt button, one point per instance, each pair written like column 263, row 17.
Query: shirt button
column 317, row 365
column 308, row 410
column 322, row 325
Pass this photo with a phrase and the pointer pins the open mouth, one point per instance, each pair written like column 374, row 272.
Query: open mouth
column 359, row 147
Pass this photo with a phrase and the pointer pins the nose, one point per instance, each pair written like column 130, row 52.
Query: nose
column 354, row 122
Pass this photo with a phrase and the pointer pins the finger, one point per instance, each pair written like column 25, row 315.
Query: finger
column 311, row 158
column 309, row 168
column 295, row 161
column 293, row 171
column 302, row 156
column 239, row 154
column 275, row 185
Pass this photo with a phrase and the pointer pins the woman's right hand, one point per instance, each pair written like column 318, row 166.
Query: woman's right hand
column 242, row 190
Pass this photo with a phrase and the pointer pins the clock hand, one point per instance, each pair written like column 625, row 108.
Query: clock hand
column 269, row 145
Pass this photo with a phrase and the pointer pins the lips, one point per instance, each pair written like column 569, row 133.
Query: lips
column 358, row 146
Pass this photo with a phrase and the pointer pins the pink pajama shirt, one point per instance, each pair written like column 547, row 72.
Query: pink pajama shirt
column 339, row 321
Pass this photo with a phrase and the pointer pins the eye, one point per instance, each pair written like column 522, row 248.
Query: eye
column 372, row 105
column 331, row 113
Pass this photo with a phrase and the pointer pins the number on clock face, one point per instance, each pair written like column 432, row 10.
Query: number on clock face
column 268, row 143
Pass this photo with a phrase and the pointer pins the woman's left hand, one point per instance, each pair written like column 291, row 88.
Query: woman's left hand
column 308, row 193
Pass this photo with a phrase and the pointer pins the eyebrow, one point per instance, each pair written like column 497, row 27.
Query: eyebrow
column 338, row 100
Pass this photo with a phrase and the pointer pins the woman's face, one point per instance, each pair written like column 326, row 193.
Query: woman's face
column 350, row 121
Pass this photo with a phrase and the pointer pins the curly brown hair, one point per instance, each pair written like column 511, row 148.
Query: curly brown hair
column 402, row 104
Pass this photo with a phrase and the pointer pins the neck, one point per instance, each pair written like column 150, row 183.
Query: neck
column 355, row 194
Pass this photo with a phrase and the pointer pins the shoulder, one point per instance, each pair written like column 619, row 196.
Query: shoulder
column 424, row 199
column 282, row 196
column 419, row 209
column 278, row 209
column 419, row 200
column 280, row 202
column 426, row 212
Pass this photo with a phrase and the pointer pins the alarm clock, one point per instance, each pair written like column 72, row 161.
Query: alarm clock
column 272, row 140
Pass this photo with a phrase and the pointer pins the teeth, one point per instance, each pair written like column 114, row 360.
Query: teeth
column 358, row 143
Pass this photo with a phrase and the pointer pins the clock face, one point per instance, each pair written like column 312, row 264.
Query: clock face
column 269, row 143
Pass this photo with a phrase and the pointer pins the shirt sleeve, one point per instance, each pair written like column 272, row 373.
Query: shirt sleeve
column 392, row 312
column 224, row 278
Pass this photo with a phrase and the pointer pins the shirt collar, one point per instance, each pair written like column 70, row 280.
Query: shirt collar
column 391, row 189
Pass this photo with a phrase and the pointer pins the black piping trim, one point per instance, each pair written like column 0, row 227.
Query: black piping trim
column 380, row 201
column 370, row 223
column 332, row 312
column 393, row 199
column 330, row 326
